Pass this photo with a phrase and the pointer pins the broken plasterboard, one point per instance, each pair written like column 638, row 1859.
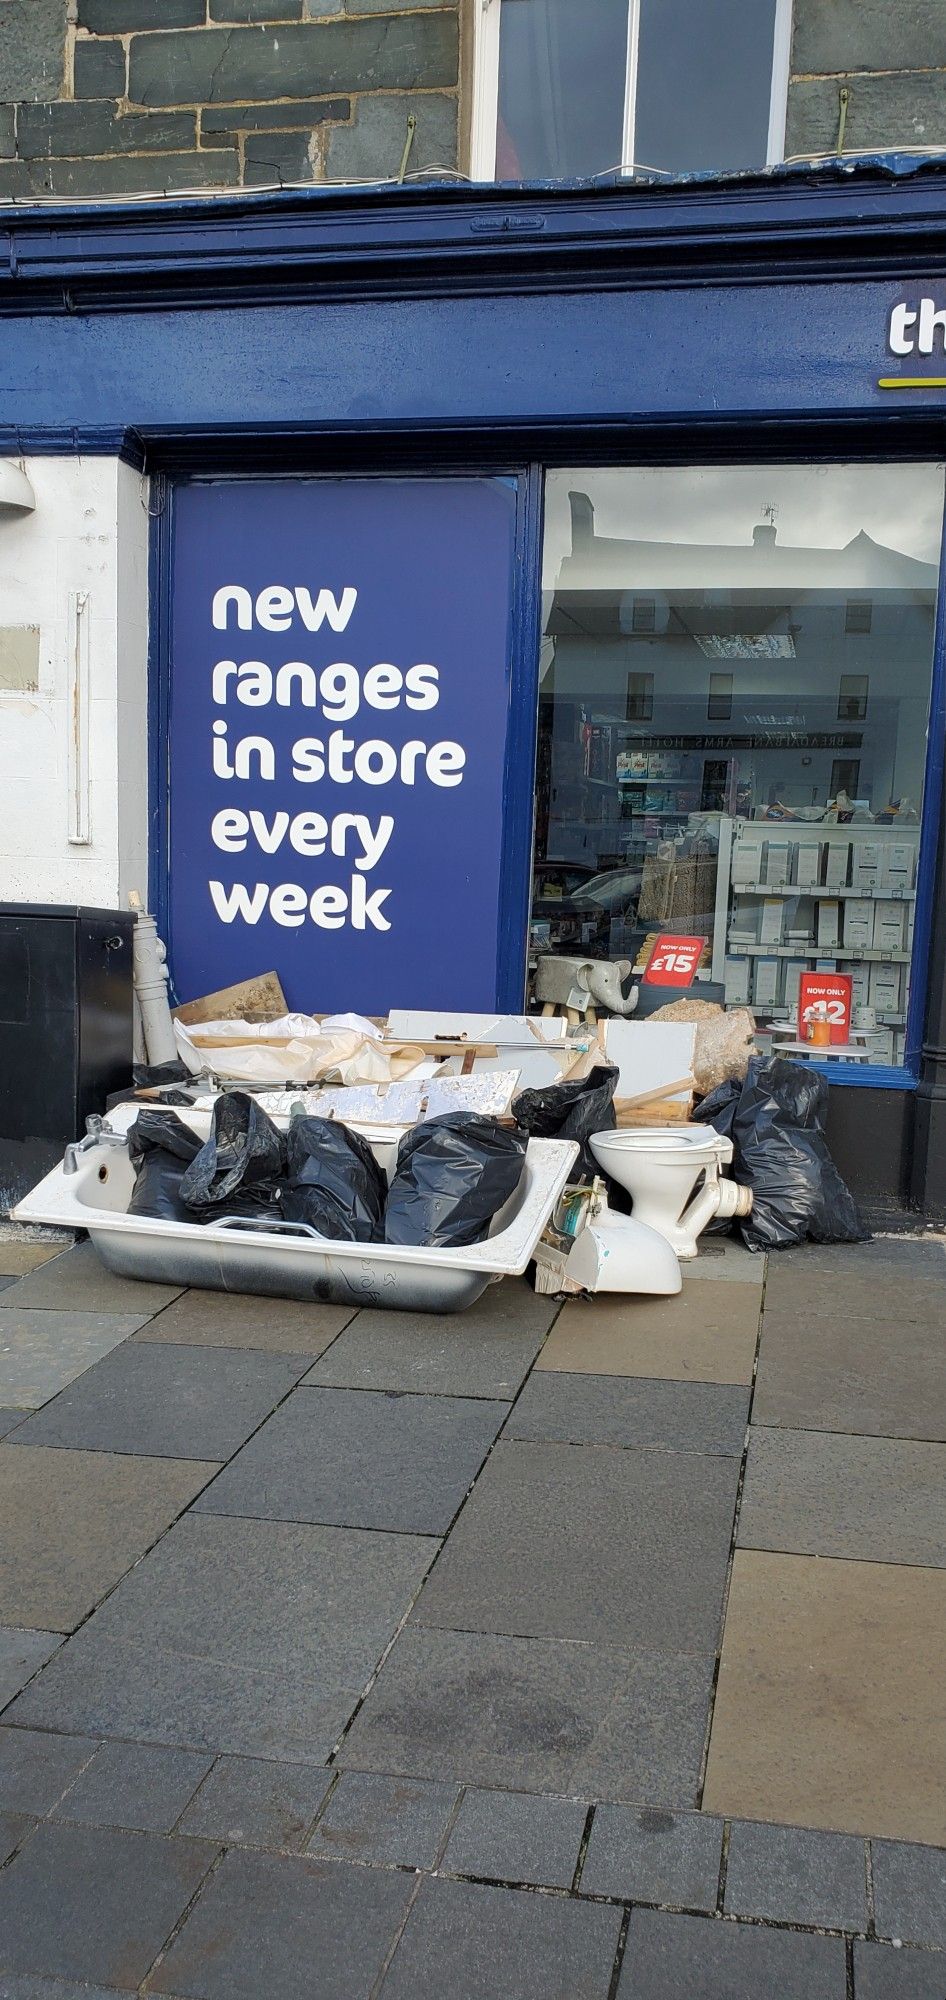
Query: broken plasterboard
column 408, row 1024
column 650, row 1054
column 409, row 1102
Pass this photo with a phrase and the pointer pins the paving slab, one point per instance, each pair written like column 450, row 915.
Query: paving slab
column 919, row 1256
column 37, row 1768
column 142, row 1786
column 893, row 1294
column 828, row 1710
column 41, row 1351
column 668, row 1957
column 238, row 1319
column 79, row 1282
column 281, row 1926
column 17, row 1258
column 486, row 1351
column 465, row 1938
column 14, row 1828
column 873, row 1499
column 34, row 1986
column 373, row 1817
column 617, row 1410
column 359, row 1458
column 700, row 1336
column 723, row 1257
column 74, row 1521
column 625, row 1548
column 883, row 1973
column 823, row 1370
column 9, row 1419
column 250, row 1802
column 654, row 1857
column 92, row 1903
column 167, row 1402
column 253, row 1637
column 795, row 1875
column 910, row 1892
column 22, row 1653
column 516, row 1837
column 540, row 1715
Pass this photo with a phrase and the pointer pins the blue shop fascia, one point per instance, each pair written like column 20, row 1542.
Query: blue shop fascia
column 536, row 571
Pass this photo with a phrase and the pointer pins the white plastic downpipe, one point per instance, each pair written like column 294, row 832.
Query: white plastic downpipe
column 151, row 987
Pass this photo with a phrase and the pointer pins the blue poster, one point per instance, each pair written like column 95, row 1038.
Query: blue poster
column 338, row 708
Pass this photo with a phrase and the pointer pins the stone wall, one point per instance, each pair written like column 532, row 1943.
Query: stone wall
column 133, row 96
column 887, row 56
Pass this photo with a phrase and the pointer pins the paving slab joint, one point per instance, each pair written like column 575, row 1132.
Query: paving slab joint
column 207, row 1876
column 620, row 1950
column 582, row 1849
column 869, row 1883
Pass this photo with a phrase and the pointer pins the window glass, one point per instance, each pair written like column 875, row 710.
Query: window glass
column 746, row 767
column 562, row 69
column 704, row 81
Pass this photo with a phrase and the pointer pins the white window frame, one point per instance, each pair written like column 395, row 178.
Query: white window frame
column 486, row 30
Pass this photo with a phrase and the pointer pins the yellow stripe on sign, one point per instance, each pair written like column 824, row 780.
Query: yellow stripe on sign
column 912, row 382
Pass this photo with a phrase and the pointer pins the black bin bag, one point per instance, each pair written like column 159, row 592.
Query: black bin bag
column 571, row 1111
column 335, row 1182
column 775, row 1120
column 237, row 1171
column 453, row 1174
column 161, row 1149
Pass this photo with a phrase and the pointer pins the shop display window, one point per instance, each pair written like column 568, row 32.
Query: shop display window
column 747, row 764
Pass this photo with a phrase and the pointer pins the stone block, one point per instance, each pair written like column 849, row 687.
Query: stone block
column 394, row 1822
column 653, row 1857
column 465, row 1938
column 255, row 10
column 256, row 118
column 32, row 50
column 910, row 1892
column 249, row 1802
column 668, row 1956
column 236, row 65
column 22, row 1653
column 41, row 1352
column 141, row 1786
column 797, row 1875
column 123, row 174
column 617, row 1410
column 75, row 131
column 831, row 36
column 98, row 69
column 7, row 150
column 516, row 1837
column 883, row 112
column 166, row 1402
column 77, row 1281
column 882, row 1972
column 37, row 1767
column 276, row 159
column 123, row 17
column 373, row 146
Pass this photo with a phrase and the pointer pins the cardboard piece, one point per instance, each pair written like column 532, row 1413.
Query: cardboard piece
column 259, row 999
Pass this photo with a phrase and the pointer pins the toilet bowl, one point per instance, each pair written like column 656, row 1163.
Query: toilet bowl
column 674, row 1178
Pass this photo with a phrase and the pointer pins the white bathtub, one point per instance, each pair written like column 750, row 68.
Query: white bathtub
column 291, row 1262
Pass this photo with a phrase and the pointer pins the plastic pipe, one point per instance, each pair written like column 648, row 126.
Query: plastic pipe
column 151, row 990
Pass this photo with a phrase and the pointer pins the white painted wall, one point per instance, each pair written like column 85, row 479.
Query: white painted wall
column 88, row 536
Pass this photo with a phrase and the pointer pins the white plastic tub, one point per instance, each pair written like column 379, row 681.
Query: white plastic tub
column 292, row 1262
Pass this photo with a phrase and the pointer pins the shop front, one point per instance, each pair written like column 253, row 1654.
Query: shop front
column 533, row 575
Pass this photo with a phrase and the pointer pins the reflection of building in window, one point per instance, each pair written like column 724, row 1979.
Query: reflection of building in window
column 640, row 697
column 719, row 702
column 852, row 697
column 643, row 615
column 857, row 614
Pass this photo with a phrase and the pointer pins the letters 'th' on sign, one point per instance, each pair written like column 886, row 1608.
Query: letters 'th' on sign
column 337, row 738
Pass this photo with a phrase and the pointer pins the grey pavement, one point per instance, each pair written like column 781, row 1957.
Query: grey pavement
column 388, row 1656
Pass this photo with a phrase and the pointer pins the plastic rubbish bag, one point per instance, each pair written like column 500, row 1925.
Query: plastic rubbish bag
column 335, row 1182
column 237, row 1171
column 775, row 1120
column 571, row 1111
column 453, row 1174
column 161, row 1148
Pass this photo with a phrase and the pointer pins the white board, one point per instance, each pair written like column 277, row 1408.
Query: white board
column 407, row 1024
column 649, row 1053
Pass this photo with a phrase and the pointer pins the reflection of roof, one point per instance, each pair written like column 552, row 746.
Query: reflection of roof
column 601, row 563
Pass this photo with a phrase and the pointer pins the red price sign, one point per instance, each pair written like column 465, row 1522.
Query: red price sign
column 821, row 993
column 673, row 961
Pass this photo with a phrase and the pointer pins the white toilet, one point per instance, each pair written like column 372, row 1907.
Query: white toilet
column 661, row 1167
